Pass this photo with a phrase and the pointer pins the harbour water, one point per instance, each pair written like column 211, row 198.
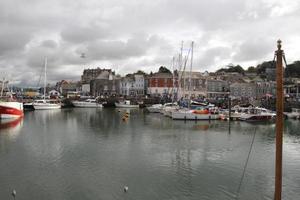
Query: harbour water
column 77, row 154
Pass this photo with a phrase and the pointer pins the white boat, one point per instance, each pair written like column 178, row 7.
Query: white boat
column 155, row 108
column 46, row 104
column 88, row 103
column 235, row 113
column 126, row 104
column 257, row 114
column 168, row 108
column 295, row 114
column 198, row 114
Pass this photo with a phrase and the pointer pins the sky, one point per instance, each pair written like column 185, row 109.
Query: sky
column 131, row 35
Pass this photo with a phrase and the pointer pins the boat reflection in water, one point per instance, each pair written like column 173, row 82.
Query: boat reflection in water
column 11, row 126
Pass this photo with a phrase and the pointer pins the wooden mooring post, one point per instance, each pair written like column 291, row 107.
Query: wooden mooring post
column 279, row 121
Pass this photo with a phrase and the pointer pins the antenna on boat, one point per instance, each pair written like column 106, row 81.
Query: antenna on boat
column 279, row 54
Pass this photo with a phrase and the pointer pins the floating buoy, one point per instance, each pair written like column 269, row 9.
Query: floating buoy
column 125, row 188
column 14, row 193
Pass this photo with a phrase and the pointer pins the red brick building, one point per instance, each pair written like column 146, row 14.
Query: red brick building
column 162, row 84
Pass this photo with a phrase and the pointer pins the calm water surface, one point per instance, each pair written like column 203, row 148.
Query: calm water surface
column 92, row 154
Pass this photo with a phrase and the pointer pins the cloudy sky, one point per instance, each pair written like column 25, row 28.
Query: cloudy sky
column 137, row 34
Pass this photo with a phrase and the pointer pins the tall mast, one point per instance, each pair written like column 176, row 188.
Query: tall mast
column 173, row 81
column 279, row 121
column 45, row 76
column 2, row 88
column 191, row 67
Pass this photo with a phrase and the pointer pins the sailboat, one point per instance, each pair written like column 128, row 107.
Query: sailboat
column 46, row 104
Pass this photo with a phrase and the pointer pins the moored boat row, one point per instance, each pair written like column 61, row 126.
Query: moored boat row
column 210, row 112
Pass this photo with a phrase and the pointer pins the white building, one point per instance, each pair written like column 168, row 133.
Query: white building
column 133, row 85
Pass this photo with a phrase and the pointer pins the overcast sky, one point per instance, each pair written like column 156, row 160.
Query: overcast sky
column 138, row 34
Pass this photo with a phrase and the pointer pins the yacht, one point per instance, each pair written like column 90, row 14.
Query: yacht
column 46, row 104
column 155, row 108
column 257, row 114
column 88, row 103
column 126, row 104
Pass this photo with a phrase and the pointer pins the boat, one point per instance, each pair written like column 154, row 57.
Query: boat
column 155, row 108
column 46, row 104
column 28, row 106
column 235, row 113
column 295, row 114
column 201, row 113
column 168, row 108
column 126, row 104
column 9, row 108
column 88, row 103
column 257, row 114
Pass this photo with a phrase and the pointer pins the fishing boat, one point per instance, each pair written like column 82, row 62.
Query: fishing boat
column 126, row 104
column 46, row 104
column 88, row 103
column 200, row 113
column 257, row 114
column 9, row 108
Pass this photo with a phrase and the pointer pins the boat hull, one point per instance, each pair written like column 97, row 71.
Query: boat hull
column 46, row 106
column 80, row 104
column 194, row 116
column 11, row 110
column 257, row 118
column 120, row 105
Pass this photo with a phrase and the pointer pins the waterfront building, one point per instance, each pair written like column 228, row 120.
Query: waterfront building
column 216, row 88
column 132, row 85
column 105, row 84
column 192, row 83
column 265, row 89
column 243, row 90
column 67, row 86
column 91, row 74
column 162, row 84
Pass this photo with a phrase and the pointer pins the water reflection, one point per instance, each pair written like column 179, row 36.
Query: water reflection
column 11, row 127
column 91, row 153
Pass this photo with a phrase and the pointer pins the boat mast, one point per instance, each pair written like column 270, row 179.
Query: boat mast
column 2, row 88
column 45, row 81
column 279, row 121
column 191, row 67
column 173, row 81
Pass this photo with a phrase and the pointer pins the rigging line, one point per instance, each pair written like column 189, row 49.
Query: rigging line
column 246, row 163
column 284, row 60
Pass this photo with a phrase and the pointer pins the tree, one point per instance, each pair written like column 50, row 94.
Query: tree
column 163, row 69
column 293, row 70
column 251, row 69
column 261, row 68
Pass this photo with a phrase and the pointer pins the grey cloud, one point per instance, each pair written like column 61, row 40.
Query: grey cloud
column 49, row 44
column 255, row 48
column 128, row 35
